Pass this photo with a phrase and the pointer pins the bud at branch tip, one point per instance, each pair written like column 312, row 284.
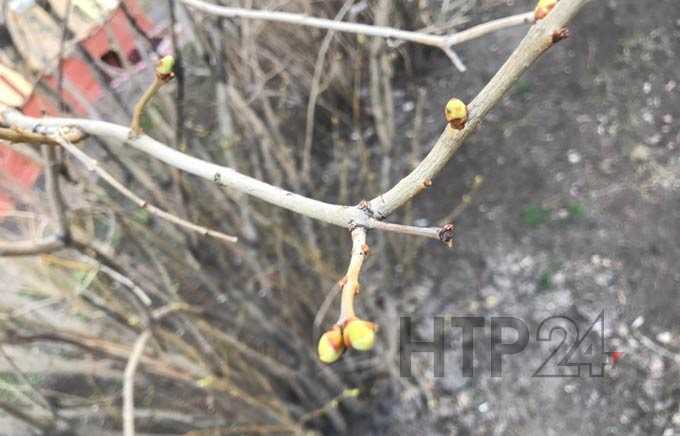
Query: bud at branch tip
column 456, row 113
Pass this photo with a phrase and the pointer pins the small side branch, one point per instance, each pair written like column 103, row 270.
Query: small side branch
column 163, row 75
column 539, row 39
column 93, row 165
column 59, row 240
column 444, row 234
column 22, row 136
column 129, row 384
column 46, row 245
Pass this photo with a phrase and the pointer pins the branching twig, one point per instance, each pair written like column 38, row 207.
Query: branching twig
column 129, row 384
column 93, row 165
column 444, row 42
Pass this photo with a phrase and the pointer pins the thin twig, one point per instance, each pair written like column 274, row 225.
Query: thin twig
column 43, row 424
column 537, row 41
column 314, row 92
column 135, row 124
column 163, row 74
column 443, row 42
column 129, row 384
column 93, row 165
column 350, row 286
column 54, row 193
column 27, row 137
column 47, row 245
column 444, row 234
column 40, row 398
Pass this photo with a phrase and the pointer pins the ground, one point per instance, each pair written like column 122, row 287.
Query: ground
column 578, row 215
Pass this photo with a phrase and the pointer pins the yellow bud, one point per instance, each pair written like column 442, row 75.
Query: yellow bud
column 359, row 334
column 165, row 65
column 205, row 382
column 351, row 393
column 543, row 8
column 456, row 113
column 331, row 345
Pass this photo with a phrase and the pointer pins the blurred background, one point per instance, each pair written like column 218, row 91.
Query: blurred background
column 566, row 202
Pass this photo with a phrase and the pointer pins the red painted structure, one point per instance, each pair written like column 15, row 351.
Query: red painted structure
column 111, row 42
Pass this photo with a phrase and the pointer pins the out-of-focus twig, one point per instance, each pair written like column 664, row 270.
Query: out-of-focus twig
column 93, row 165
column 540, row 37
column 129, row 384
column 54, row 192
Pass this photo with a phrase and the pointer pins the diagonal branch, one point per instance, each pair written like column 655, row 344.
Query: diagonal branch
column 50, row 243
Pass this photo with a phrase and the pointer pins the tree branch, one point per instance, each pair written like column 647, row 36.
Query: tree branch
column 537, row 41
column 93, row 165
column 54, row 193
column 24, row 136
column 54, row 242
column 46, row 245
column 539, row 38
column 442, row 42
column 444, row 234
column 129, row 384
column 163, row 74
column 350, row 284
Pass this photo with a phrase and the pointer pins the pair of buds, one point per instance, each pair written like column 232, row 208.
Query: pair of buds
column 355, row 333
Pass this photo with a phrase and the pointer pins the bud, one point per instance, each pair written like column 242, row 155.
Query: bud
column 331, row 345
column 165, row 66
column 456, row 113
column 543, row 8
column 359, row 334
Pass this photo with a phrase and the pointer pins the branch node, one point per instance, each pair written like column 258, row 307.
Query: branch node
column 560, row 34
column 446, row 234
